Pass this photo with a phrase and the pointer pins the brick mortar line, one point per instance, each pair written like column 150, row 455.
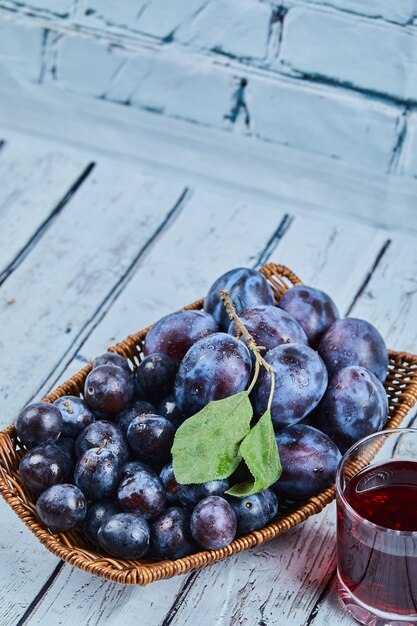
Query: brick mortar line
column 132, row 43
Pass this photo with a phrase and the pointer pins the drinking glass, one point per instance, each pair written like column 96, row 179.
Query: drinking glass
column 376, row 486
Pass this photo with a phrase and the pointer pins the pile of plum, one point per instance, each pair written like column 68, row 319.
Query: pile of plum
column 104, row 461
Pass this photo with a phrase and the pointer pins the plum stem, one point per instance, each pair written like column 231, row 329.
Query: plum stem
column 251, row 344
column 103, row 445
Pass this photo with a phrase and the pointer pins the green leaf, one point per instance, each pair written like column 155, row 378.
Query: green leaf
column 206, row 446
column 260, row 453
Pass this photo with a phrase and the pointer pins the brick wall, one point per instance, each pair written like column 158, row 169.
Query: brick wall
column 336, row 78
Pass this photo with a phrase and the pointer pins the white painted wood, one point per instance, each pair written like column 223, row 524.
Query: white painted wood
column 390, row 299
column 34, row 178
column 57, row 290
column 25, row 566
column 79, row 598
column 210, row 157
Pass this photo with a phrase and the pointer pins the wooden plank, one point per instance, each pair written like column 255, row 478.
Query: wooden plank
column 212, row 234
column 25, row 565
column 73, row 271
column 313, row 237
column 390, row 298
column 36, row 181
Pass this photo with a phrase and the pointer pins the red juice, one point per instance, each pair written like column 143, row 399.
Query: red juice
column 377, row 561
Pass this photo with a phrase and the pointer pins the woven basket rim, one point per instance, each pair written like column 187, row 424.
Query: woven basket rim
column 142, row 572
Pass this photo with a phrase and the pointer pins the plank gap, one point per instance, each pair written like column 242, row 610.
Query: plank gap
column 276, row 236
column 32, row 606
column 314, row 611
column 368, row 277
column 46, row 224
column 179, row 598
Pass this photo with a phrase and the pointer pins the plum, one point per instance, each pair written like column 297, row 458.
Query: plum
column 354, row 405
column 38, row 424
column 270, row 326
column 108, row 389
column 61, row 507
column 170, row 534
column 155, row 376
column 300, row 382
column 247, row 288
column 352, row 341
column 174, row 334
column 213, row 523
column 151, row 437
column 125, row 535
column 313, row 309
column 309, row 460
column 215, row 367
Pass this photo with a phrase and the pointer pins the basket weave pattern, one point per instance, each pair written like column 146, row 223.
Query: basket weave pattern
column 73, row 547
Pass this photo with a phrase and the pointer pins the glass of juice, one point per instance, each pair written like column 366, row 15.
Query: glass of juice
column 377, row 528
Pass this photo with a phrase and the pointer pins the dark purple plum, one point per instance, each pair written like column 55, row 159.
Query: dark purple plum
column 352, row 341
column 171, row 536
column 300, row 382
column 125, row 535
column 309, row 460
column 97, row 514
column 97, row 473
column 213, row 523
column 67, row 446
column 108, row 389
column 270, row 326
column 174, row 334
column 138, row 407
column 43, row 467
column 215, row 367
column 132, row 467
column 38, row 424
column 112, row 358
column 313, row 309
column 167, row 408
column 150, row 438
column 271, row 498
column 354, row 406
column 76, row 415
column 142, row 492
column 94, row 436
column 61, row 507
column 255, row 511
column 156, row 376
column 168, row 479
column 247, row 288
column 190, row 495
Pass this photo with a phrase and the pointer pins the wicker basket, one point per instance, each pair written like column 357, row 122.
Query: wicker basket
column 72, row 546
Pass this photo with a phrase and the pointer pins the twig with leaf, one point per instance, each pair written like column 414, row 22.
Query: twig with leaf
column 211, row 444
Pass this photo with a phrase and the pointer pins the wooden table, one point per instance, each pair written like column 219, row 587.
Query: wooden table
column 94, row 248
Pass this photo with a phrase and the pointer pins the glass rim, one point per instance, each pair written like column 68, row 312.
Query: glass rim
column 339, row 490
